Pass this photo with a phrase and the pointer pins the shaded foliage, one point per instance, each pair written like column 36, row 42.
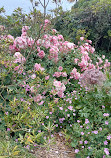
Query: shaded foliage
column 91, row 18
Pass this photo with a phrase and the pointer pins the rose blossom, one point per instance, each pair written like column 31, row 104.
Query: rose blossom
column 46, row 77
column 60, row 68
column 37, row 67
column 41, row 54
column 33, row 76
column 81, row 38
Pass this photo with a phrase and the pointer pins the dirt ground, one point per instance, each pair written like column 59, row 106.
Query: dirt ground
column 57, row 150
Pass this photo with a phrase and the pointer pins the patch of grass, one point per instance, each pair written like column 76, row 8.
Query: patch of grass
column 11, row 149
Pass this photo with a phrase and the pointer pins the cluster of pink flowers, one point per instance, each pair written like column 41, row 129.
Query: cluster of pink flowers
column 60, row 88
column 83, row 64
column 56, row 44
column 66, row 46
column 9, row 38
column 107, row 64
column 45, row 25
column 86, row 62
column 56, row 50
column 53, row 53
column 61, row 120
column 86, row 121
column 106, row 150
column 21, row 42
column 58, row 47
column 58, row 74
column 86, row 47
column 41, row 54
column 19, row 69
column 19, row 58
column 33, row 76
column 54, row 31
column 25, row 29
column 74, row 74
column 38, row 98
column 38, row 67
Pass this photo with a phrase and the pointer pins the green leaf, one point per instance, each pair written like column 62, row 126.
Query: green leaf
column 74, row 143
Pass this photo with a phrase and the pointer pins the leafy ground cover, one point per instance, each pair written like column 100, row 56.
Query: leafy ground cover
column 49, row 85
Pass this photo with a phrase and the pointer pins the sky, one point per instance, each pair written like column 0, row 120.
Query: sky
column 11, row 5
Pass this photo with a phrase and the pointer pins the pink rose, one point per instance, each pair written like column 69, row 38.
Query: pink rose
column 41, row 54
column 10, row 37
column 16, row 68
column 37, row 67
column 46, row 77
column 81, row 38
column 64, row 74
column 19, row 58
column 60, row 68
column 33, row 76
column 25, row 28
column 47, row 21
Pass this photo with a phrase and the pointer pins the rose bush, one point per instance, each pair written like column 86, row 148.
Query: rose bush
column 43, row 89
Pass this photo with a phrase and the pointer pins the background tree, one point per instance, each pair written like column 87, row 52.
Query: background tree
column 91, row 18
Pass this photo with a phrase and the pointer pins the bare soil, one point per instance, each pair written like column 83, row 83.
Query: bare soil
column 57, row 150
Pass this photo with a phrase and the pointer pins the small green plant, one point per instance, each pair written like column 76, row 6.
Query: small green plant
column 11, row 149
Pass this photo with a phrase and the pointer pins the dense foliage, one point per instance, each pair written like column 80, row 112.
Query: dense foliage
column 91, row 19
column 47, row 85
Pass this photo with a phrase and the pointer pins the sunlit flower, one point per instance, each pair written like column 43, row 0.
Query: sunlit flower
column 106, row 122
column 109, row 137
column 105, row 142
column 105, row 114
column 95, row 132
column 106, row 150
column 86, row 121
column 76, row 150
column 85, row 142
column 82, row 133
